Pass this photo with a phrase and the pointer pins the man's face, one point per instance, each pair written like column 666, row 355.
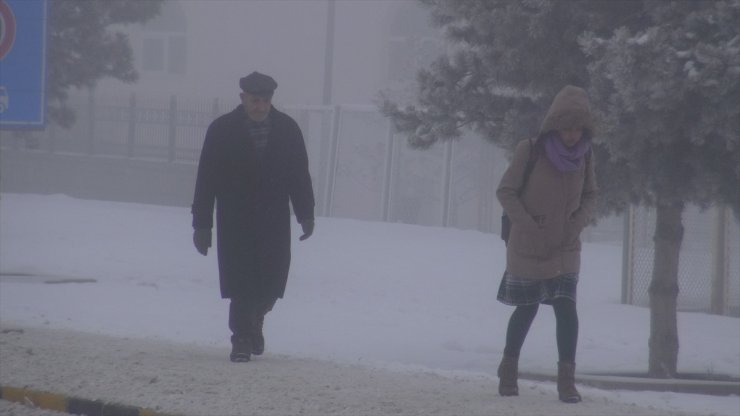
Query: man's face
column 257, row 106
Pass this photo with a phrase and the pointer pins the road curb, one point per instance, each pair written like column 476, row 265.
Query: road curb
column 76, row 405
column 616, row 382
column 73, row 405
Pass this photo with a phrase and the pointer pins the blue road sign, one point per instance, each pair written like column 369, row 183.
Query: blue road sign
column 22, row 63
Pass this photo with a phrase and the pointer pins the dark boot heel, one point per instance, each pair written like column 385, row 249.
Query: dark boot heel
column 508, row 373
column 241, row 350
column 567, row 383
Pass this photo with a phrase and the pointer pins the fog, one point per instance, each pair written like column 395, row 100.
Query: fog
column 140, row 143
column 286, row 39
column 190, row 59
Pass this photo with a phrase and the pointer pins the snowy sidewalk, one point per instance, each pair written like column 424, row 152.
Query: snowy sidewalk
column 195, row 380
column 413, row 306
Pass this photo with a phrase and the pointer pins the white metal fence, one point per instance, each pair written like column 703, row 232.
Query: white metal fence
column 709, row 266
column 359, row 167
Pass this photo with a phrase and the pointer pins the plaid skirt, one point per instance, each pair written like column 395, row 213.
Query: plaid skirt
column 516, row 291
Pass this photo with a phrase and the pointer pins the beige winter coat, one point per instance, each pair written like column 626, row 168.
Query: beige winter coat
column 549, row 215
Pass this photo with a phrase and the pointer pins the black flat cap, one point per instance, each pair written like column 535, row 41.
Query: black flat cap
column 257, row 83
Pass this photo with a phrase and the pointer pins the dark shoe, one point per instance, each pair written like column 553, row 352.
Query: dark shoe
column 258, row 345
column 508, row 373
column 258, row 340
column 241, row 350
column 567, row 383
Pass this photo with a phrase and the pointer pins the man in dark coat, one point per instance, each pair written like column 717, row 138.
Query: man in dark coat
column 253, row 162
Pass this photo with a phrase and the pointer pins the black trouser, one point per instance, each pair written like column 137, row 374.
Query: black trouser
column 246, row 315
column 566, row 328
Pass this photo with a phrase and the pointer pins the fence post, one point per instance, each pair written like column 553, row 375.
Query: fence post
column 447, row 184
column 91, row 121
column 331, row 172
column 172, row 136
column 388, row 180
column 215, row 108
column 130, row 143
column 52, row 137
column 627, row 256
column 719, row 270
column 324, row 149
column 486, row 193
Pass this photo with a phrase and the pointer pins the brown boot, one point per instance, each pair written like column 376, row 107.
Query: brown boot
column 567, row 383
column 508, row 372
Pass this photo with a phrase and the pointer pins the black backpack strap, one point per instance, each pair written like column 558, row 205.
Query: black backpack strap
column 529, row 167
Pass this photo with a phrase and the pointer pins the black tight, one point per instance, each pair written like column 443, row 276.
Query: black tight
column 519, row 323
column 566, row 328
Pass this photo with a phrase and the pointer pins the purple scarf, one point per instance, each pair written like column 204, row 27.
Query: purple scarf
column 566, row 159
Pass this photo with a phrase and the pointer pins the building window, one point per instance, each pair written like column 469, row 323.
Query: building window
column 153, row 57
column 177, row 55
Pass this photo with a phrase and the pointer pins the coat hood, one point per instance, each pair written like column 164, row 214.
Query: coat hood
column 569, row 108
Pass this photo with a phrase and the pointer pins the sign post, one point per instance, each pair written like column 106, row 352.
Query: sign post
column 22, row 64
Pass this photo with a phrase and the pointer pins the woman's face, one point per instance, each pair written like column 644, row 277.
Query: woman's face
column 570, row 136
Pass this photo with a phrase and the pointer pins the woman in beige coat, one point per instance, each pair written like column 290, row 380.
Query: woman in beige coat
column 548, row 193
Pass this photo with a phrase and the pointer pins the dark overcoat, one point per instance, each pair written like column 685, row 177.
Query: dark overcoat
column 251, row 195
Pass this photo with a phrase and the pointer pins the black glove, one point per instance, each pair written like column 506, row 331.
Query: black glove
column 307, row 226
column 202, row 240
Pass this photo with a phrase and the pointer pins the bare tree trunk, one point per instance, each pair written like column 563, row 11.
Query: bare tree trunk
column 664, row 290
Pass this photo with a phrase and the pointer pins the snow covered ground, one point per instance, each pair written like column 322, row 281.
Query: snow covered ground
column 377, row 319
